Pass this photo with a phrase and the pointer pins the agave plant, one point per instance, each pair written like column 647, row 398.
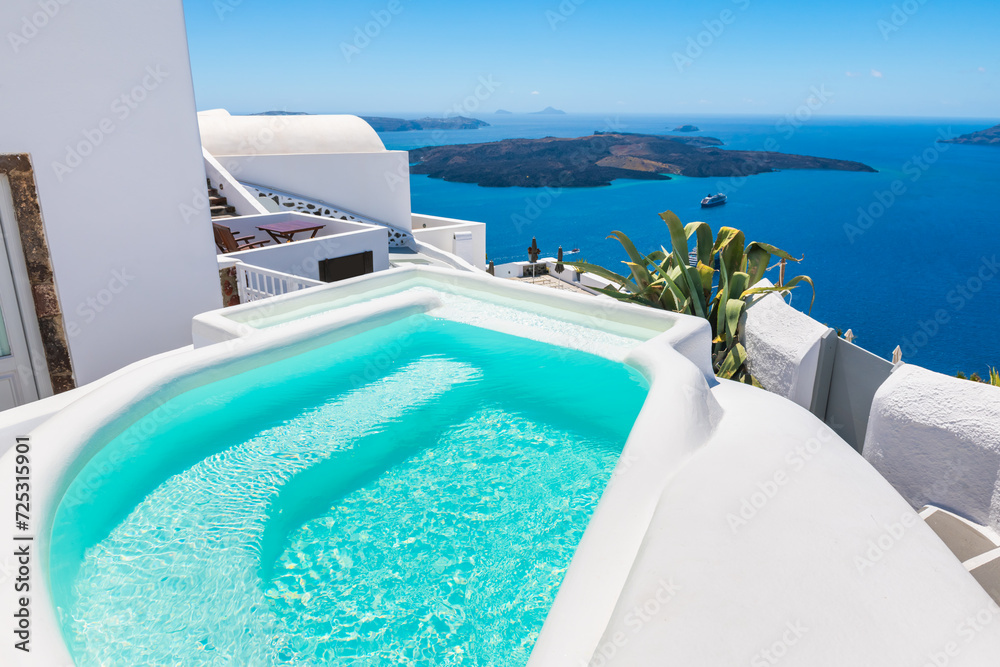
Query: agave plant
column 994, row 377
column 714, row 287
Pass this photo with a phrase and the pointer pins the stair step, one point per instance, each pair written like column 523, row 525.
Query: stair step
column 222, row 209
column 965, row 539
column 214, row 200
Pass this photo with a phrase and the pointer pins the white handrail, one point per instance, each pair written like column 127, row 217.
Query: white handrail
column 255, row 283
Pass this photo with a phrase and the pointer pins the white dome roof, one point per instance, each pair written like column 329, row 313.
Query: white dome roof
column 224, row 134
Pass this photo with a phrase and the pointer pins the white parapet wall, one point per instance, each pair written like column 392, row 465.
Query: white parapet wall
column 462, row 238
column 337, row 159
column 783, row 345
column 338, row 238
column 937, row 440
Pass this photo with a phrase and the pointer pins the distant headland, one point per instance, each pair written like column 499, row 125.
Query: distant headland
column 601, row 158
column 383, row 124
column 380, row 124
column 687, row 128
column 989, row 137
column 550, row 111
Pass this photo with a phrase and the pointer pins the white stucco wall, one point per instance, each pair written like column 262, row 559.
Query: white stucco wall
column 100, row 96
column 783, row 346
column 937, row 440
column 441, row 233
column 374, row 185
column 302, row 257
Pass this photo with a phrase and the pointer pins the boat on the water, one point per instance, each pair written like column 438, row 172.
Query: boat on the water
column 573, row 251
column 713, row 200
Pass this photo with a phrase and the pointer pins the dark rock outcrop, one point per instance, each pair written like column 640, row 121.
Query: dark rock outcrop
column 601, row 158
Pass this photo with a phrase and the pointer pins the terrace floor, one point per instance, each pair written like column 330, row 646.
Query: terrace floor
column 554, row 283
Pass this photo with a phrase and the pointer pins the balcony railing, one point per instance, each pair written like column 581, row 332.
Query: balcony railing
column 255, row 283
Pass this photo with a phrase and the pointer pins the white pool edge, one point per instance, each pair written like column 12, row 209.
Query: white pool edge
column 63, row 444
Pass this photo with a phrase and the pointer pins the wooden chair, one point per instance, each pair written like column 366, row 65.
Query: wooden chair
column 227, row 241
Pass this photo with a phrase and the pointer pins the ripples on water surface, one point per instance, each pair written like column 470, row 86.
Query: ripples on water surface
column 412, row 496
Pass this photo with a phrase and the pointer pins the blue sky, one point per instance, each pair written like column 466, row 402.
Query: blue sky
column 861, row 57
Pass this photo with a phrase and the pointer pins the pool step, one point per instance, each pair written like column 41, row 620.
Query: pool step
column 978, row 547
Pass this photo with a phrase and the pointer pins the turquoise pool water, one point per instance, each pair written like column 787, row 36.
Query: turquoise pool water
column 410, row 496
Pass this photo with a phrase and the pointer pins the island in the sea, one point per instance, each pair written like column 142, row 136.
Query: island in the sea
column 601, row 158
column 381, row 124
column 989, row 137
column 687, row 128
column 503, row 112
column 550, row 111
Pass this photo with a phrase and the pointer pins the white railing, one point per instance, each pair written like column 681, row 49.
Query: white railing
column 255, row 283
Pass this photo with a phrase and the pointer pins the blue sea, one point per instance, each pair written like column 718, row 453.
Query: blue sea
column 906, row 256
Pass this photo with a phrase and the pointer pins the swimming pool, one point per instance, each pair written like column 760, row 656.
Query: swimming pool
column 127, row 474
column 324, row 510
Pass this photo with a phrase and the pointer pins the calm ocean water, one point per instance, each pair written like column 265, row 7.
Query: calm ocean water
column 915, row 268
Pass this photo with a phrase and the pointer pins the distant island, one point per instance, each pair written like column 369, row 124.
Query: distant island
column 550, row 111
column 990, row 137
column 380, row 124
column 503, row 112
column 601, row 158
column 687, row 128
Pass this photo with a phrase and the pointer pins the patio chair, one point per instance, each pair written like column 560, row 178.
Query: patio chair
column 227, row 241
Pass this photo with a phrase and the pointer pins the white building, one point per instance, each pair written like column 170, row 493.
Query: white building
column 112, row 287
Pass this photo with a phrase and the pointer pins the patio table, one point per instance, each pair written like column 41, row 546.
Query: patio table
column 288, row 230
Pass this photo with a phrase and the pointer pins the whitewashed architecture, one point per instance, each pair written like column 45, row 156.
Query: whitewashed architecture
column 740, row 526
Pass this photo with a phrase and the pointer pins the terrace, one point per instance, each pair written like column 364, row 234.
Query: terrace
column 378, row 447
